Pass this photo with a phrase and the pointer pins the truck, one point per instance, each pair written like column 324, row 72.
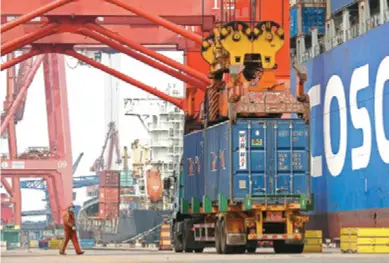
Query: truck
column 242, row 182
column 245, row 171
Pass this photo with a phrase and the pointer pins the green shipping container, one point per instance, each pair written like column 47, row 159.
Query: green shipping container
column 12, row 237
column 125, row 184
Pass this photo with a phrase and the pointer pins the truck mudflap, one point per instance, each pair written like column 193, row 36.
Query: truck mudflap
column 236, row 239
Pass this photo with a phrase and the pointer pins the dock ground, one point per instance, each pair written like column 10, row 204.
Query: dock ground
column 209, row 256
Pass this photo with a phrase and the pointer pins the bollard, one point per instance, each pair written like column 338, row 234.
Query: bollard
column 313, row 241
column 165, row 240
column 364, row 240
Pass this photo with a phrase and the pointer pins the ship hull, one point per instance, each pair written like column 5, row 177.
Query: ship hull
column 349, row 96
column 128, row 225
column 331, row 223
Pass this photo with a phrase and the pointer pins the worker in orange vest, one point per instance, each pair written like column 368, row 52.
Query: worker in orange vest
column 70, row 231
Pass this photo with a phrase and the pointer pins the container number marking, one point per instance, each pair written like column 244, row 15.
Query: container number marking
column 242, row 150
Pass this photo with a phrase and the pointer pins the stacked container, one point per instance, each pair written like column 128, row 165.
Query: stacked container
column 109, row 194
column 304, row 17
column 127, row 191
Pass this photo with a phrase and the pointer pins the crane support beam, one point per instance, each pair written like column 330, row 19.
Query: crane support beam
column 24, row 40
column 19, row 59
column 185, row 9
column 155, row 36
column 20, row 97
column 134, row 82
column 159, row 20
column 206, row 22
column 24, row 69
column 27, row 16
column 7, row 186
column 10, row 166
column 149, row 52
column 142, row 58
column 68, row 50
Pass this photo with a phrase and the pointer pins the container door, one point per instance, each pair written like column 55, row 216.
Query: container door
column 250, row 159
column 288, row 157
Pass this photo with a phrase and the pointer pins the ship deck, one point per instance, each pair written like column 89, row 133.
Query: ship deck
column 153, row 255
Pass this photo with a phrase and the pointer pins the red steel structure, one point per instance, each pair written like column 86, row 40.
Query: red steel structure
column 49, row 29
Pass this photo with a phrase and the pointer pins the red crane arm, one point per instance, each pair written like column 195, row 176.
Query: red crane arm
column 19, row 98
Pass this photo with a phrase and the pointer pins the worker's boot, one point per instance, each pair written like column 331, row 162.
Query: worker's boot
column 81, row 253
column 62, row 253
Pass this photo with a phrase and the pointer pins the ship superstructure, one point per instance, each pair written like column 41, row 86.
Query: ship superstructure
column 165, row 125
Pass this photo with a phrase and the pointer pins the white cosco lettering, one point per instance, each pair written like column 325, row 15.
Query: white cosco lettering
column 360, row 156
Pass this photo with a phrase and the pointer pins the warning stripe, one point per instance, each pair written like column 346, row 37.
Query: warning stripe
column 279, row 237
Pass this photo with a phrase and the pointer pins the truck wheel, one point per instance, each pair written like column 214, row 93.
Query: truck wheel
column 251, row 249
column 296, row 249
column 225, row 249
column 185, row 240
column 199, row 250
column 177, row 239
column 217, row 238
column 239, row 249
column 281, row 248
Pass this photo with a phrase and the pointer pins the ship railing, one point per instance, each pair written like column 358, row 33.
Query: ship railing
column 355, row 30
column 386, row 16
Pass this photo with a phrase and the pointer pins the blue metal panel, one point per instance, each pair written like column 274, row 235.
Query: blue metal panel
column 245, row 158
column 262, row 150
column 293, row 22
column 218, row 155
column 313, row 17
column 339, row 4
column 341, row 183
column 193, row 172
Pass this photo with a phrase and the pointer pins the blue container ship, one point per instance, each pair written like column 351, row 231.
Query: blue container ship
column 349, row 93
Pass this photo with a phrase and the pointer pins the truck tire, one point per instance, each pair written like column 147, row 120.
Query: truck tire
column 178, row 247
column 251, row 246
column 217, row 238
column 281, row 248
column 199, row 250
column 251, row 250
column 239, row 249
column 225, row 249
column 185, row 241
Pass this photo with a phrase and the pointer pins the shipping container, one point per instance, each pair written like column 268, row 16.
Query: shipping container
column 337, row 5
column 128, row 199
column 109, row 178
column 126, row 179
column 108, row 210
column 127, row 191
column 271, row 155
column 308, row 18
column 350, row 164
column 109, row 195
column 293, row 22
column 11, row 236
column 193, row 162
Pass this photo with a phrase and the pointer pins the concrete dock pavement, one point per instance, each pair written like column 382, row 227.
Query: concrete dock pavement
column 153, row 255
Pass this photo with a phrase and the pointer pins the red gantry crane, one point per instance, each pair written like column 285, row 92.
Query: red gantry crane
column 46, row 30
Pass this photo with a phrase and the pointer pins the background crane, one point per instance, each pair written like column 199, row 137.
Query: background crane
column 111, row 118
